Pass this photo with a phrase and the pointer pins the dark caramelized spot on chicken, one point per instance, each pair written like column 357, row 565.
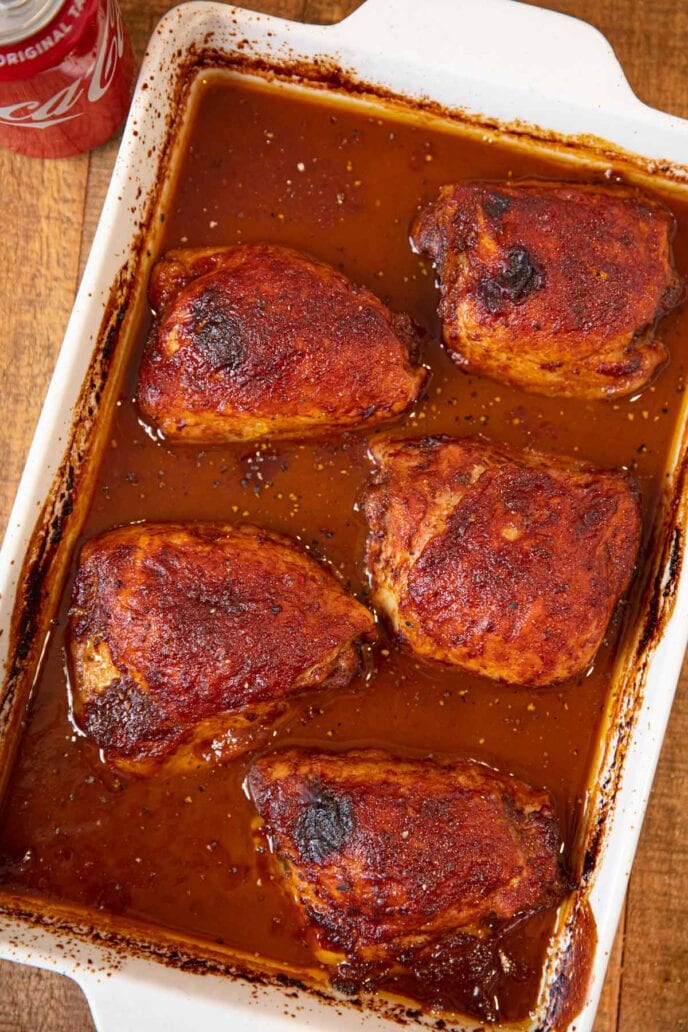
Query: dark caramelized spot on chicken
column 122, row 714
column 261, row 341
column 495, row 204
column 504, row 563
column 398, row 854
column 324, row 826
column 553, row 287
column 188, row 641
column 517, row 277
column 217, row 331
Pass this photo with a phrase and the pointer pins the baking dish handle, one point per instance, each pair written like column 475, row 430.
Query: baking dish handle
column 160, row 998
column 144, row 995
column 501, row 41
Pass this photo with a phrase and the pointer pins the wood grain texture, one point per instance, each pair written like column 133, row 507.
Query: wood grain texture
column 32, row 1000
column 50, row 211
column 39, row 265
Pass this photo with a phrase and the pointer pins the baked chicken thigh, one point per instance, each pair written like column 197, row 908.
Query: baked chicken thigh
column 385, row 855
column 508, row 564
column 261, row 341
column 552, row 287
column 188, row 641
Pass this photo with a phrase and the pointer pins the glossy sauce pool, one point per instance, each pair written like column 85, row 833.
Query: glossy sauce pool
column 264, row 162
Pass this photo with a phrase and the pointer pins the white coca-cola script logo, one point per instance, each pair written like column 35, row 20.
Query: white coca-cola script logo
column 109, row 53
column 36, row 114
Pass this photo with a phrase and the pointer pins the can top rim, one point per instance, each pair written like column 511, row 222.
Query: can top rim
column 19, row 19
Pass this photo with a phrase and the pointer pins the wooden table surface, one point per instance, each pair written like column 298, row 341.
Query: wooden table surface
column 49, row 213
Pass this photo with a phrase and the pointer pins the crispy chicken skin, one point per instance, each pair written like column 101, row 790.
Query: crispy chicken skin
column 508, row 564
column 552, row 287
column 261, row 341
column 384, row 854
column 188, row 641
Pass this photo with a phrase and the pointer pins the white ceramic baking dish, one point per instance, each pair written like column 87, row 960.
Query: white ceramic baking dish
column 510, row 63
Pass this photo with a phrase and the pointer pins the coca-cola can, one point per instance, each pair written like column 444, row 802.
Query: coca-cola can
column 66, row 75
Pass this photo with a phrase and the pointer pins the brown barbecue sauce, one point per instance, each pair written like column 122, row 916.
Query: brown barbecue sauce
column 340, row 180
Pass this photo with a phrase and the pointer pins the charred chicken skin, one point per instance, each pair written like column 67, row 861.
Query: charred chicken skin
column 384, row 855
column 552, row 287
column 261, row 341
column 508, row 564
column 188, row 641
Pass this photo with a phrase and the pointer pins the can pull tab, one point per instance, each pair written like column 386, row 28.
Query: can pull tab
column 20, row 18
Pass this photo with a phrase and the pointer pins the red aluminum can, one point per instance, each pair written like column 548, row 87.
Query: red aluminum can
column 66, row 75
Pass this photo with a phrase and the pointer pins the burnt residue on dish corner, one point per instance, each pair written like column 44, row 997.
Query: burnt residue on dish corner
column 669, row 551
column 568, row 990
